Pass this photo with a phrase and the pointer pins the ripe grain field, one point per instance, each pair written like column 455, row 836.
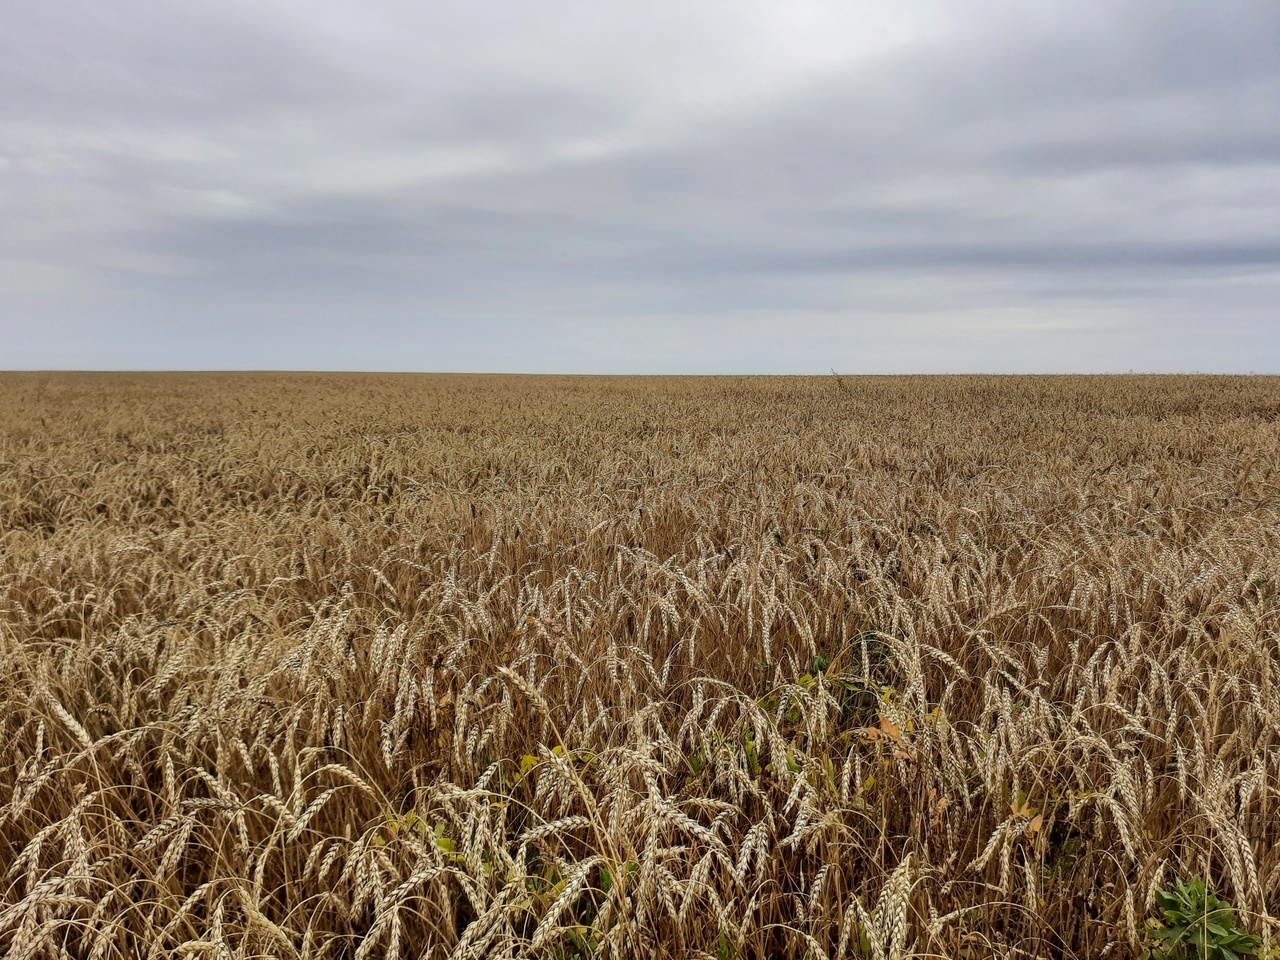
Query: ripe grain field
column 434, row 666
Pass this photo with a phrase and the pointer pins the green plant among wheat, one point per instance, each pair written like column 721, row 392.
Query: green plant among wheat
column 1199, row 926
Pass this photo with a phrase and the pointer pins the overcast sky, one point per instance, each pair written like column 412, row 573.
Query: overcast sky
column 718, row 187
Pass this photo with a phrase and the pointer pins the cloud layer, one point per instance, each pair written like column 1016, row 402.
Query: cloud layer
column 606, row 187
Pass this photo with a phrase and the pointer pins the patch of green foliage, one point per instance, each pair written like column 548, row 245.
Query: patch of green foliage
column 1198, row 925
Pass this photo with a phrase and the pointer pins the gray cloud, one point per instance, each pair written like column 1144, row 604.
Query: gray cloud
column 592, row 187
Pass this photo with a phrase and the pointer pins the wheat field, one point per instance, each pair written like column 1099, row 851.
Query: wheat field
column 440, row 666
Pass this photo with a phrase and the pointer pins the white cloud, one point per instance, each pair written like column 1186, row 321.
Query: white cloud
column 631, row 185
